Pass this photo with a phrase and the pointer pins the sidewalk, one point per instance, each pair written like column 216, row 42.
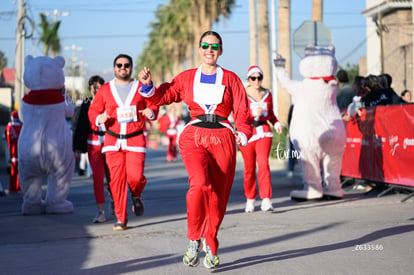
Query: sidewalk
column 361, row 234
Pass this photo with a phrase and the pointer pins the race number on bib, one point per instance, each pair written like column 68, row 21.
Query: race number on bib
column 127, row 114
column 256, row 105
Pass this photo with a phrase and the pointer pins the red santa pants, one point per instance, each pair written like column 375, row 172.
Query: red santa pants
column 172, row 147
column 99, row 170
column 126, row 169
column 14, row 176
column 209, row 156
column 257, row 151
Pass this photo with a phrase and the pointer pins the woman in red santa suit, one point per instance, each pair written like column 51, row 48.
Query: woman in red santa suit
column 259, row 145
column 208, row 142
column 122, row 110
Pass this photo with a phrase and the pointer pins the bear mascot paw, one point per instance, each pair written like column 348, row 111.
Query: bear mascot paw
column 316, row 130
column 45, row 142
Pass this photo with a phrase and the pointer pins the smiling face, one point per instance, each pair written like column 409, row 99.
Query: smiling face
column 210, row 56
column 123, row 69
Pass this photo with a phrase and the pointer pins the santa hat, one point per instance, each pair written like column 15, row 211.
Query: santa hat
column 15, row 115
column 254, row 69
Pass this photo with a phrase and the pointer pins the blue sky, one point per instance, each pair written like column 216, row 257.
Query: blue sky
column 101, row 29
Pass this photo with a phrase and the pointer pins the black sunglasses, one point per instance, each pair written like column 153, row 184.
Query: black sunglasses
column 126, row 65
column 253, row 78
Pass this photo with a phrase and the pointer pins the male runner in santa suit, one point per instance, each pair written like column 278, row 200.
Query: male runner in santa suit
column 121, row 108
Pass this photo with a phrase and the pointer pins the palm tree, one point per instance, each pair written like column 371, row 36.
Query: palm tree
column 50, row 37
column 284, row 100
column 174, row 37
column 264, row 42
column 317, row 10
column 253, row 32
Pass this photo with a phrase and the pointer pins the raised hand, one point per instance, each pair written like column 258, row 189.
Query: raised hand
column 145, row 76
column 279, row 62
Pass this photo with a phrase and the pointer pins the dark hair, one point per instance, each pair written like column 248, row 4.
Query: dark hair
column 403, row 93
column 372, row 82
column 211, row 33
column 385, row 80
column 94, row 79
column 123, row 56
column 342, row 76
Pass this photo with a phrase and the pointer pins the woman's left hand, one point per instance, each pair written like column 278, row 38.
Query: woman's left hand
column 279, row 128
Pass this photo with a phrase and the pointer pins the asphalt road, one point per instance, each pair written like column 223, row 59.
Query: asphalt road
column 361, row 234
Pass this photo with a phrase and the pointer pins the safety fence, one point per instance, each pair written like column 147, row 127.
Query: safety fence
column 380, row 145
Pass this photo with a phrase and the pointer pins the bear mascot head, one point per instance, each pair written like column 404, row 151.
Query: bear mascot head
column 316, row 130
column 45, row 143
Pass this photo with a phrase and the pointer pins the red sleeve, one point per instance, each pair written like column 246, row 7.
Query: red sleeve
column 272, row 117
column 98, row 104
column 241, row 112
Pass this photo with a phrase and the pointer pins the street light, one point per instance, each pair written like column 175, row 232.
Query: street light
column 73, row 59
column 56, row 13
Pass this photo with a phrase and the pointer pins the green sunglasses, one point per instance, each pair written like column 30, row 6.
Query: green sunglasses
column 214, row 46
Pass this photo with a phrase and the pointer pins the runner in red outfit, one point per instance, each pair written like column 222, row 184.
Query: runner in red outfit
column 259, row 146
column 13, row 129
column 122, row 109
column 208, row 142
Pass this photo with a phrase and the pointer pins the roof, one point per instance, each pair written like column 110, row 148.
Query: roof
column 386, row 7
column 9, row 74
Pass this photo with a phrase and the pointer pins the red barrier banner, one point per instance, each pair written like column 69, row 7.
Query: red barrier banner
column 380, row 145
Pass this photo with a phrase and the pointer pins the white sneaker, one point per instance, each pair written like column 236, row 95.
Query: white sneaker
column 249, row 206
column 210, row 261
column 100, row 217
column 266, row 205
column 289, row 175
column 190, row 257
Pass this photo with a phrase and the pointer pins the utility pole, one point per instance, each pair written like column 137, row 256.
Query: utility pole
column 317, row 10
column 381, row 37
column 20, row 36
column 284, row 100
column 73, row 48
column 274, row 54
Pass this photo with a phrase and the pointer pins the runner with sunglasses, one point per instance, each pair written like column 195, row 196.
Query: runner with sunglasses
column 259, row 145
column 207, row 143
column 122, row 110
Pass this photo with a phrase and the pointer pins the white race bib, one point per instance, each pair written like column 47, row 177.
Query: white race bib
column 209, row 93
column 255, row 105
column 127, row 114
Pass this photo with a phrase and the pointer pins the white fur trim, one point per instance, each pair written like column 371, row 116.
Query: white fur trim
column 254, row 69
column 243, row 138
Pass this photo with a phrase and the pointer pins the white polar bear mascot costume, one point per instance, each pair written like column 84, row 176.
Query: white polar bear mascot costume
column 317, row 130
column 45, row 142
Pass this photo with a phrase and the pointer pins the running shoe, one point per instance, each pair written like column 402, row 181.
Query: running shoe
column 100, row 217
column 210, row 261
column 266, row 205
column 138, row 206
column 119, row 226
column 249, row 206
column 190, row 257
